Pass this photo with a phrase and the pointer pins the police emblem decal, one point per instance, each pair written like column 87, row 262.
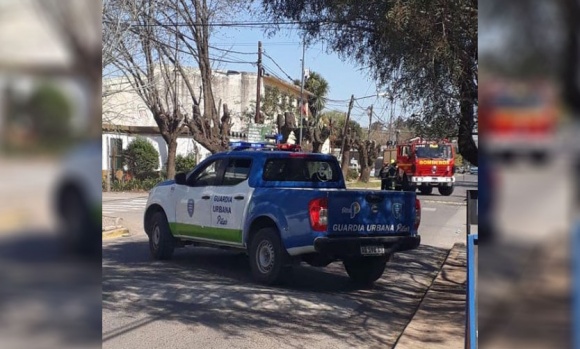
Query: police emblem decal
column 397, row 210
column 190, row 207
column 354, row 209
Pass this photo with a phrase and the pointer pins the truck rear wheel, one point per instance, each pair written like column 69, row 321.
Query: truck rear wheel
column 426, row 190
column 366, row 270
column 161, row 242
column 267, row 256
column 446, row 191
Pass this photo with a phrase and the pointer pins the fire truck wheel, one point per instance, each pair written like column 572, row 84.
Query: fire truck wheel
column 446, row 191
column 426, row 190
column 405, row 185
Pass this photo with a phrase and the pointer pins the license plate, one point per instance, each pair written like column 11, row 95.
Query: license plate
column 372, row 250
column 434, row 179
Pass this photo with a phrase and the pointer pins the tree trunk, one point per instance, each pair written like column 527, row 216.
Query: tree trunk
column 468, row 95
column 369, row 152
column 171, row 152
column 316, row 139
column 95, row 125
column 346, row 157
column 570, row 66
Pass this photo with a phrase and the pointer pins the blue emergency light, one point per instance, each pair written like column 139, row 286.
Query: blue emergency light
column 247, row 145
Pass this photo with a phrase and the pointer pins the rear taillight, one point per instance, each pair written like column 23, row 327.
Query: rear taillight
column 318, row 209
column 417, row 213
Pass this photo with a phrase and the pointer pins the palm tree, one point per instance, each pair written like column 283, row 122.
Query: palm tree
column 318, row 86
column 316, row 132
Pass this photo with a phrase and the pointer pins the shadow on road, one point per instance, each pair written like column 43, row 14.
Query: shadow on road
column 48, row 298
column 213, row 288
column 524, row 295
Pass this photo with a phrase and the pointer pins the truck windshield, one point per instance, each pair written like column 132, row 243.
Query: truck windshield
column 433, row 151
column 301, row 170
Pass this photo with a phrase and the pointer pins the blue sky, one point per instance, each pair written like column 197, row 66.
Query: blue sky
column 344, row 77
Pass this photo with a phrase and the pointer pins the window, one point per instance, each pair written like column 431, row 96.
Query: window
column 237, row 171
column 207, row 176
column 301, row 170
column 405, row 151
column 116, row 150
column 434, row 151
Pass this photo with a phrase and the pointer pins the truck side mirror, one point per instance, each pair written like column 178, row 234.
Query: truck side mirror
column 180, row 178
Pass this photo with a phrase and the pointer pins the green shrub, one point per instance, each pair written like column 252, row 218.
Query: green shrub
column 184, row 163
column 136, row 184
column 141, row 158
column 352, row 174
column 51, row 112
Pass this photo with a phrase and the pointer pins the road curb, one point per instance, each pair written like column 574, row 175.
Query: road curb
column 115, row 233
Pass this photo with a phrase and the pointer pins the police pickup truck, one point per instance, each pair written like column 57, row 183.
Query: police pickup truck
column 281, row 208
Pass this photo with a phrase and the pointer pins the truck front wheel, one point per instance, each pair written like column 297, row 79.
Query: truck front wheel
column 365, row 270
column 446, row 191
column 426, row 190
column 267, row 256
column 161, row 242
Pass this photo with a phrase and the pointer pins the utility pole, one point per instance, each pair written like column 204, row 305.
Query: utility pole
column 370, row 122
column 302, row 91
column 258, row 94
column 346, row 125
column 176, row 50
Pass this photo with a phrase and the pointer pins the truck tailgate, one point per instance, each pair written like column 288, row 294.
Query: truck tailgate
column 370, row 213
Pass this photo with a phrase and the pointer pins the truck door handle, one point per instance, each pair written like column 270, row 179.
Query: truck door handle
column 205, row 197
column 239, row 197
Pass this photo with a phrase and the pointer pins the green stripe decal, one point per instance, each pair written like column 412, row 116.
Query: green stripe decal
column 196, row 231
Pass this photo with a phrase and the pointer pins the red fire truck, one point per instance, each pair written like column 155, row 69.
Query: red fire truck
column 427, row 164
column 519, row 119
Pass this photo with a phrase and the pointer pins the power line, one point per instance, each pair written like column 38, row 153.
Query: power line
column 338, row 100
column 279, row 67
column 281, row 43
column 229, row 61
column 232, row 51
column 223, row 24
column 271, row 72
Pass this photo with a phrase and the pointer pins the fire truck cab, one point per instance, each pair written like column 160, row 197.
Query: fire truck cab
column 427, row 164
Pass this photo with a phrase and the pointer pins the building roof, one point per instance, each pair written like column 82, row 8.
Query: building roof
column 285, row 86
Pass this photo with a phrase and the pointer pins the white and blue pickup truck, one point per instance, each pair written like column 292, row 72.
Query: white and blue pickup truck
column 281, row 208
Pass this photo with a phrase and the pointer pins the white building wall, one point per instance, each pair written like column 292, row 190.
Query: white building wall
column 237, row 90
column 185, row 146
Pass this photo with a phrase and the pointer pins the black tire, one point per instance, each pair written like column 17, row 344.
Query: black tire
column 428, row 190
column 446, row 191
column 161, row 242
column 267, row 257
column 365, row 270
column 539, row 157
column 80, row 235
column 406, row 184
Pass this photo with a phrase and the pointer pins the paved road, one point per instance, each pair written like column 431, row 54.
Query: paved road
column 205, row 298
column 524, row 296
column 117, row 207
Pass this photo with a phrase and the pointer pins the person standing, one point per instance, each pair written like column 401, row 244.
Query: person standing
column 389, row 176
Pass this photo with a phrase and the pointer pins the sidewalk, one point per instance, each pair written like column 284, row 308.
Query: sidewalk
column 440, row 320
column 112, row 227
